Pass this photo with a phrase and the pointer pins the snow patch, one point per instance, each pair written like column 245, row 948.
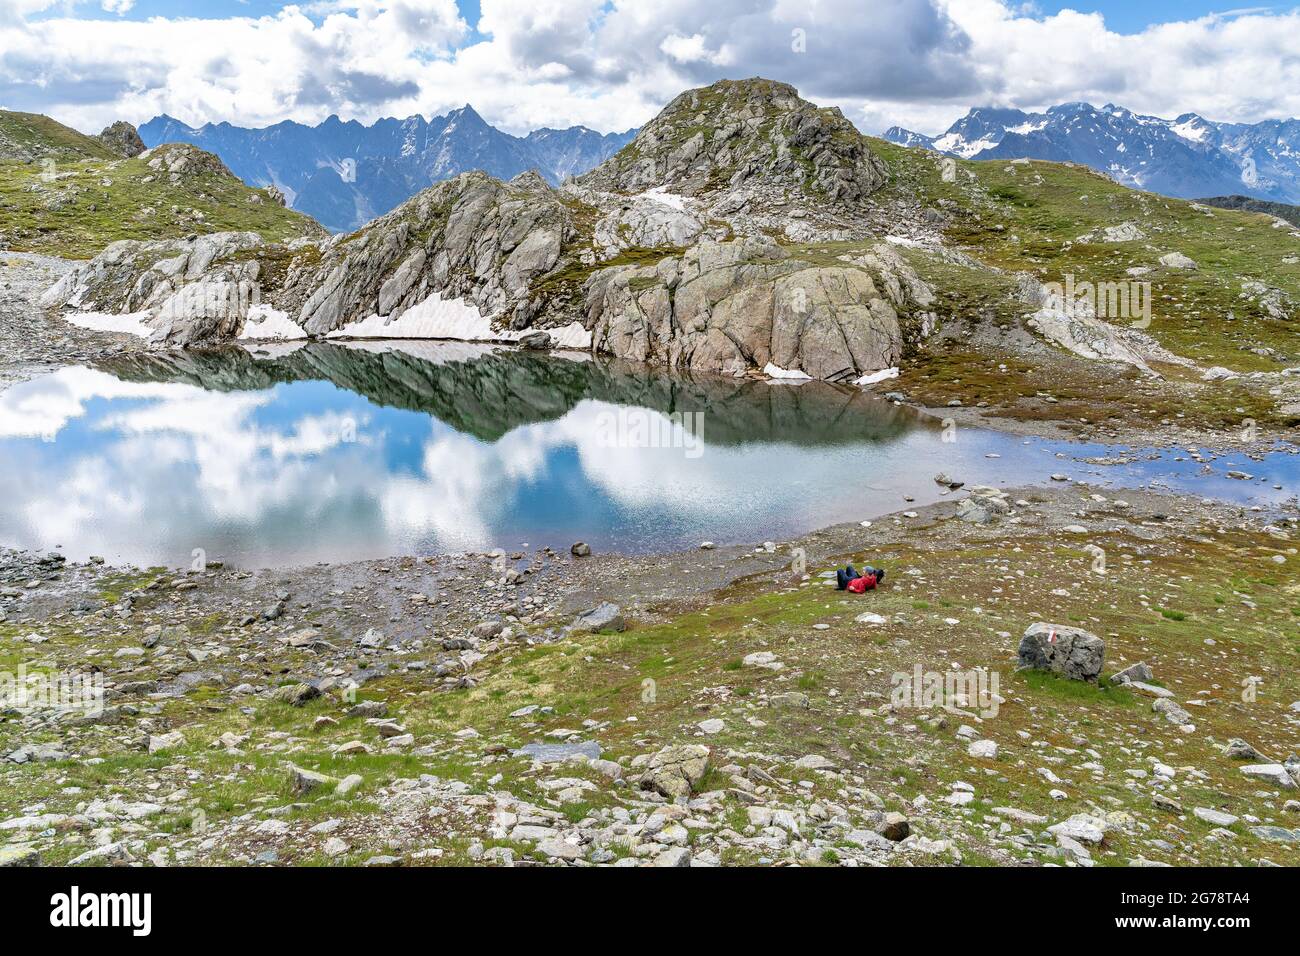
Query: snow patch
column 775, row 371
column 661, row 195
column 264, row 322
column 1189, row 131
column 571, row 336
column 434, row 318
column 456, row 319
column 871, row 378
column 132, row 323
column 956, row 143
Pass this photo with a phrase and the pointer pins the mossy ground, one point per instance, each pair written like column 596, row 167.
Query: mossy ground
column 77, row 207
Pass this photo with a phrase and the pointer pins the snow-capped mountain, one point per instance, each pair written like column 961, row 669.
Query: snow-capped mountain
column 345, row 174
column 1189, row 157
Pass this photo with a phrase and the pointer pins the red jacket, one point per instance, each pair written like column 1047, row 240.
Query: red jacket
column 865, row 583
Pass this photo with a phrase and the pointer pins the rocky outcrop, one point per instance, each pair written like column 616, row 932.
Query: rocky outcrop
column 748, row 147
column 123, row 139
column 1070, row 321
column 472, row 238
column 748, row 303
column 180, row 161
column 188, row 291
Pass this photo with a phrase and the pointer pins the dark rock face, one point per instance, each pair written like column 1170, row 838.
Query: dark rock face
column 735, row 133
column 122, row 138
column 1069, row 651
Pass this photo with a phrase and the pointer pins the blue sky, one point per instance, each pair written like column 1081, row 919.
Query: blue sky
column 612, row 64
column 1134, row 16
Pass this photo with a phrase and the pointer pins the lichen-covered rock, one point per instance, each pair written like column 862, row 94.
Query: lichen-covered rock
column 1069, row 651
column 675, row 770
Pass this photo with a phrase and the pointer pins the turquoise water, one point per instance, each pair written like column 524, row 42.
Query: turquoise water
column 326, row 452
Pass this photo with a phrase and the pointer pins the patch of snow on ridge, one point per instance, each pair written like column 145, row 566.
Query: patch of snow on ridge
column 956, row 143
column 132, row 323
column 439, row 318
column 264, row 322
column 1025, row 128
column 660, row 194
column 1189, row 131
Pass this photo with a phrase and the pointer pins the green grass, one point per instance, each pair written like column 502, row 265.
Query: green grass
column 1030, row 217
column 31, row 135
column 89, row 203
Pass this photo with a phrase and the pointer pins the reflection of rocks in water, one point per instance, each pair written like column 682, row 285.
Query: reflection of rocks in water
column 487, row 393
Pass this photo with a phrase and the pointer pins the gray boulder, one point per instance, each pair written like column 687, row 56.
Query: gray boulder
column 603, row 617
column 1069, row 651
column 675, row 771
column 1140, row 672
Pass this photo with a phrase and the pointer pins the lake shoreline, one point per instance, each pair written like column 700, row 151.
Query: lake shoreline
column 34, row 341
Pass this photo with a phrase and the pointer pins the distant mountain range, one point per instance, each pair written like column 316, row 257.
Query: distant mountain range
column 345, row 174
column 1188, row 157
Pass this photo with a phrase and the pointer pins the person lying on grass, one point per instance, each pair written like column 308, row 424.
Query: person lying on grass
column 848, row 579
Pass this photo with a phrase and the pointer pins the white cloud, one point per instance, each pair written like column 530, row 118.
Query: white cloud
column 611, row 64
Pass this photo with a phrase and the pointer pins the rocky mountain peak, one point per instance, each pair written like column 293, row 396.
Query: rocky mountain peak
column 740, row 133
column 122, row 138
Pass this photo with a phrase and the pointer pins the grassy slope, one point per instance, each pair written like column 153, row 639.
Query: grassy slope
column 1043, row 208
column 1028, row 218
column 31, row 135
column 95, row 198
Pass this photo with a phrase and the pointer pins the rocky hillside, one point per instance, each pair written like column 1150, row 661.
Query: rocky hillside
column 1281, row 210
column 746, row 230
column 69, row 195
column 673, row 252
